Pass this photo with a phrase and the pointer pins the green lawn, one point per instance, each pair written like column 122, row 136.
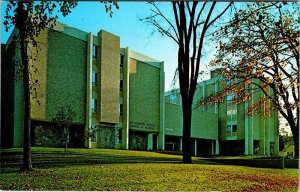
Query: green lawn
column 103, row 169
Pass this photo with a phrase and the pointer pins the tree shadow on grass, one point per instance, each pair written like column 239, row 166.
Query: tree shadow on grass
column 11, row 162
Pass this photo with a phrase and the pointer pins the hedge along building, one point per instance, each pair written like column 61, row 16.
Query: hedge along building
column 221, row 128
column 113, row 90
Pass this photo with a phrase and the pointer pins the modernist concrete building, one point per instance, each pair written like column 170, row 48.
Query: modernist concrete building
column 120, row 94
column 221, row 128
column 116, row 91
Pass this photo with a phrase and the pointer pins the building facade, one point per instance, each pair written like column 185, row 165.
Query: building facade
column 221, row 128
column 113, row 90
column 118, row 95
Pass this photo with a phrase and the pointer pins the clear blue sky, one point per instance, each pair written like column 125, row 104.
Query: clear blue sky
column 91, row 17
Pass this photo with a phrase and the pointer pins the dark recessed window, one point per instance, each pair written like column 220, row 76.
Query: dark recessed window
column 94, row 105
column 95, row 52
column 234, row 128
column 121, row 61
column 120, row 135
column 121, row 110
column 121, row 85
column 94, row 78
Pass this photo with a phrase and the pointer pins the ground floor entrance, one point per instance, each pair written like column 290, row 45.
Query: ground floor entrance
column 143, row 140
column 200, row 147
column 204, row 147
column 232, row 147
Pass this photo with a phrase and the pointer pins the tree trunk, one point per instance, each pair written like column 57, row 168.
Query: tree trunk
column 186, row 137
column 27, row 166
column 296, row 143
column 66, row 147
column 67, row 140
column 295, row 131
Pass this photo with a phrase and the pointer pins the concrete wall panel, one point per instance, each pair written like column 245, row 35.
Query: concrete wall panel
column 109, row 77
column 144, row 96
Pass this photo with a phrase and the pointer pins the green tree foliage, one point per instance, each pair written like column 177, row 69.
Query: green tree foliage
column 260, row 48
column 285, row 140
column 62, row 119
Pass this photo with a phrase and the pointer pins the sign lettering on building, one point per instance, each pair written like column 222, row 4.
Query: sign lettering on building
column 141, row 125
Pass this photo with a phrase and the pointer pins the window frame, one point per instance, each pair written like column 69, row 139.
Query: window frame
column 95, row 51
column 121, row 109
column 121, row 86
column 172, row 98
column 94, row 77
column 120, row 135
column 228, row 128
column 121, row 61
column 232, row 129
column 94, row 105
column 231, row 106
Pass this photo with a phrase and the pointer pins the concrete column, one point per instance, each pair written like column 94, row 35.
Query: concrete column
column 180, row 144
column 216, row 104
column 18, row 117
column 125, row 130
column 88, row 115
column 109, row 73
column 262, row 146
column 246, row 152
column 276, row 134
column 250, row 130
column 203, row 93
column 196, row 148
column 150, row 141
column 217, row 147
column 262, row 136
column 267, row 136
column 161, row 135
column 268, row 129
column 250, row 140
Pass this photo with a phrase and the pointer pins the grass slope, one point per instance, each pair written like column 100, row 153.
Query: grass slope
column 104, row 169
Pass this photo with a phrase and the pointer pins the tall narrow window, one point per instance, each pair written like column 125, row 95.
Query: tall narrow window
column 228, row 128
column 234, row 128
column 94, row 105
column 231, row 128
column 121, row 110
column 172, row 98
column 94, row 78
column 121, row 85
column 95, row 52
column 121, row 61
column 231, row 100
column 120, row 135
column 231, row 106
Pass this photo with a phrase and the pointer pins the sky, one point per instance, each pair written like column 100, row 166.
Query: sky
column 125, row 23
column 91, row 17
